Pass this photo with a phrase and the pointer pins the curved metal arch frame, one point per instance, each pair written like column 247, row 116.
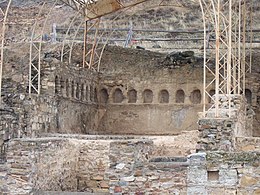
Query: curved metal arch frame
column 63, row 49
column 95, row 53
column 228, row 74
column 72, row 44
column 5, row 14
column 96, row 57
column 92, row 58
column 35, row 53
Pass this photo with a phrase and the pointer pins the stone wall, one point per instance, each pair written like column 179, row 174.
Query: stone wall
column 137, row 95
column 111, row 166
column 231, row 161
column 154, row 100
column 219, row 133
column 67, row 103
column 253, row 98
column 233, row 173
column 154, row 119
column 77, row 100
column 123, row 165
column 248, row 144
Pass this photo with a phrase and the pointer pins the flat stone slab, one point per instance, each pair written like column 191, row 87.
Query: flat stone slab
column 67, row 193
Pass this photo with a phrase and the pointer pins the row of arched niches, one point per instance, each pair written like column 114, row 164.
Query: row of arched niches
column 68, row 88
column 89, row 93
column 163, row 97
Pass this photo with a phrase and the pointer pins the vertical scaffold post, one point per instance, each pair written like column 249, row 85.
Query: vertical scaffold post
column 227, row 76
column 4, row 14
column 35, row 53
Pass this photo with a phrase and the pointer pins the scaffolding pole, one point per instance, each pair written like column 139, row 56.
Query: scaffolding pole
column 4, row 14
column 227, row 75
column 35, row 53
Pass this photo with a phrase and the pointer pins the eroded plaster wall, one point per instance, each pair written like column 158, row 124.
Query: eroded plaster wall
column 148, row 119
column 164, row 100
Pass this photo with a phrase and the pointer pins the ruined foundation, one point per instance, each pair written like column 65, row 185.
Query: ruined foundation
column 134, row 127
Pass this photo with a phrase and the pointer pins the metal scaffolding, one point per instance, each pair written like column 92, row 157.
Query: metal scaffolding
column 66, row 52
column 36, row 41
column 92, row 55
column 225, row 65
column 225, row 69
column 92, row 12
column 228, row 22
column 3, row 14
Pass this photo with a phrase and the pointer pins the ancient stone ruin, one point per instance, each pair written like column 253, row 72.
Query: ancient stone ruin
column 137, row 121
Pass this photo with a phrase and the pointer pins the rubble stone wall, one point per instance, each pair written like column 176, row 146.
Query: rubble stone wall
column 253, row 98
column 67, row 104
column 122, row 166
column 220, row 133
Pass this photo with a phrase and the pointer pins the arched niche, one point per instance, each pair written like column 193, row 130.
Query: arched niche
column 82, row 96
column 132, row 96
column 248, row 94
column 180, row 96
column 77, row 90
column 62, row 85
column 118, row 96
column 195, row 96
column 147, row 96
column 91, row 93
column 67, row 87
column 95, row 95
column 164, row 96
column 72, row 89
column 87, row 93
column 56, row 86
column 103, row 96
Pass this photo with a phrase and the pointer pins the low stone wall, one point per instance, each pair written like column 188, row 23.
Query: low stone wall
column 233, row 173
column 219, row 133
column 120, row 165
column 216, row 135
column 58, row 164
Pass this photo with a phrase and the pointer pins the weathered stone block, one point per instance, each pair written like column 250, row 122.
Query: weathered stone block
column 248, row 181
column 256, row 192
column 198, row 190
column 243, row 192
column 141, row 179
column 104, row 184
column 118, row 189
column 228, row 176
column 215, row 191
column 98, row 178
column 128, row 179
